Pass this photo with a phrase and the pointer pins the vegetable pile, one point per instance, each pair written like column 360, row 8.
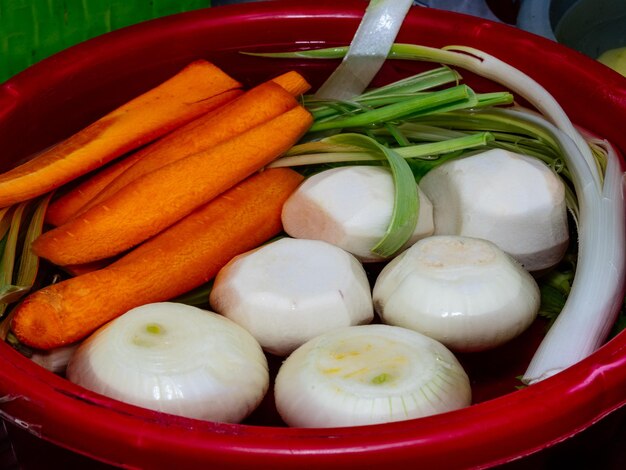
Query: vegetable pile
column 363, row 239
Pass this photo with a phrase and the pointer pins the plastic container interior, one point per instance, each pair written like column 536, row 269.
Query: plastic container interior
column 60, row 95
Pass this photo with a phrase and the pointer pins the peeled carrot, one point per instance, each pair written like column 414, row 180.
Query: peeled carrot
column 179, row 259
column 157, row 200
column 255, row 107
column 63, row 208
column 251, row 109
column 292, row 82
column 78, row 269
column 66, row 206
column 175, row 102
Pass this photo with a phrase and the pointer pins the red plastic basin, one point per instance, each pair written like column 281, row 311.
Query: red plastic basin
column 60, row 95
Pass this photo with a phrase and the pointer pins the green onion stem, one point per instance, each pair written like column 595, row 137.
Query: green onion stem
column 420, row 82
column 351, row 153
column 460, row 95
column 405, row 207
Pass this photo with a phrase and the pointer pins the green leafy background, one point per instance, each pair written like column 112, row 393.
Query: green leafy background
column 31, row 30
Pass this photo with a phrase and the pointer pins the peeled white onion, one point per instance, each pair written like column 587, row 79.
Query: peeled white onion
column 176, row 359
column 513, row 200
column 288, row 291
column 464, row 292
column 366, row 375
column 350, row 207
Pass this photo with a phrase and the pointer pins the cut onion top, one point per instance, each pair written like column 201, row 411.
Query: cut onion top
column 176, row 359
column 366, row 375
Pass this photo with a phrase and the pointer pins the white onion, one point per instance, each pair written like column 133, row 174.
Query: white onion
column 55, row 360
column 289, row 291
column 176, row 359
column 513, row 200
column 350, row 207
column 366, row 375
column 464, row 292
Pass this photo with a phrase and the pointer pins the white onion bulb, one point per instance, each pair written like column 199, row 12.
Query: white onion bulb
column 464, row 292
column 176, row 359
column 366, row 375
column 513, row 200
column 288, row 291
column 351, row 208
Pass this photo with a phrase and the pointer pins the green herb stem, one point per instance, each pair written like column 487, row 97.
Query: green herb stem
column 460, row 96
column 336, row 153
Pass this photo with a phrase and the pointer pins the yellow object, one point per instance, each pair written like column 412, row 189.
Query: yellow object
column 615, row 58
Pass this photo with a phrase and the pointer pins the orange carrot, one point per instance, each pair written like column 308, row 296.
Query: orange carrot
column 254, row 107
column 292, row 82
column 64, row 207
column 143, row 119
column 179, row 259
column 78, row 269
column 67, row 205
column 157, row 200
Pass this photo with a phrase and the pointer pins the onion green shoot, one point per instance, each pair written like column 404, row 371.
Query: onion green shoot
column 400, row 89
column 10, row 241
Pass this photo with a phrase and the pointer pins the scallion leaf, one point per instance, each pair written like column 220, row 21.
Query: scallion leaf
column 458, row 97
